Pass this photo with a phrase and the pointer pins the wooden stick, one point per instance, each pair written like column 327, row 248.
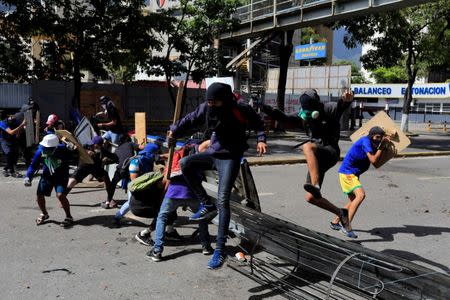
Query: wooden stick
column 176, row 117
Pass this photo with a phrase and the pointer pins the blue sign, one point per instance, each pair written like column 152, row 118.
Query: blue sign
column 310, row 51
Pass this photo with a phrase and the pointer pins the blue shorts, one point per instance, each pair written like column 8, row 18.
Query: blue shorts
column 112, row 137
column 46, row 185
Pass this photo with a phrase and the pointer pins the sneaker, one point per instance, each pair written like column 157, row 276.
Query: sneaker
column 313, row 190
column 350, row 234
column 207, row 250
column 204, row 212
column 68, row 222
column 335, row 226
column 216, row 260
column 144, row 239
column 343, row 218
column 6, row 173
column 174, row 235
column 115, row 223
column 154, row 255
column 15, row 174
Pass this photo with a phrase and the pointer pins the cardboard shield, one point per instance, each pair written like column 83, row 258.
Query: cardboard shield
column 399, row 141
column 66, row 136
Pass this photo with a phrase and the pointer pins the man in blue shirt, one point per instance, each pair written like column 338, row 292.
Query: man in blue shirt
column 9, row 130
column 367, row 150
column 55, row 174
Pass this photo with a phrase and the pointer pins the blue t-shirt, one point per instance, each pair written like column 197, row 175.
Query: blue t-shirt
column 356, row 161
column 179, row 189
column 3, row 126
column 141, row 166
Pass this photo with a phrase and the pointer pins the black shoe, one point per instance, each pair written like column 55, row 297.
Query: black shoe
column 207, row 250
column 343, row 218
column 15, row 174
column 154, row 255
column 314, row 190
column 6, row 173
column 174, row 235
column 145, row 239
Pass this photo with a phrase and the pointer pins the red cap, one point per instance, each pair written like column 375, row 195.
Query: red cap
column 52, row 119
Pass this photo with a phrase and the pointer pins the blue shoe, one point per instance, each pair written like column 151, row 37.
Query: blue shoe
column 351, row 234
column 204, row 212
column 335, row 226
column 216, row 260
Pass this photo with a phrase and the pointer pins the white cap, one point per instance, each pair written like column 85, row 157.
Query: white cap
column 50, row 141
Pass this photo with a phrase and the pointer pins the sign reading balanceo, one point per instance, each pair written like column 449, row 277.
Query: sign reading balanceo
column 426, row 90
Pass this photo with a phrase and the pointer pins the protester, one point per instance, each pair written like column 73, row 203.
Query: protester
column 100, row 156
column 226, row 121
column 114, row 125
column 178, row 194
column 141, row 164
column 124, row 152
column 367, row 150
column 53, row 123
column 321, row 121
column 9, row 140
column 55, row 174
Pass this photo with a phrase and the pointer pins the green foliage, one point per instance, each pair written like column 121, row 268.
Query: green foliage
column 395, row 74
column 188, row 33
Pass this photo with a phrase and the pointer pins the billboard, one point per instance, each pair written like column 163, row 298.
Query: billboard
column 424, row 90
column 310, row 51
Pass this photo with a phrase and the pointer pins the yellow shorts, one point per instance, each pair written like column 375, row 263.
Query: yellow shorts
column 349, row 183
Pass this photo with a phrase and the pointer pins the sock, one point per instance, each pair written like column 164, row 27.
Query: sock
column 146, row 231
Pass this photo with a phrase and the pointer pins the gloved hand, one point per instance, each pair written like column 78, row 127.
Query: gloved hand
column 171, row 141
column 26, row 181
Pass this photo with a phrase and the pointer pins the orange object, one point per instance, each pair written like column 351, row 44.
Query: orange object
column 240, row 256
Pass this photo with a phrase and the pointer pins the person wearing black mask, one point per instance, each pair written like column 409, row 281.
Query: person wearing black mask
column 321, row 122
column 365, row 151
column 226, row 123
column 9, row 140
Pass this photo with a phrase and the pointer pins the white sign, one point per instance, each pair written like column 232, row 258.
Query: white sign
column 227, row 80
column 426, row 90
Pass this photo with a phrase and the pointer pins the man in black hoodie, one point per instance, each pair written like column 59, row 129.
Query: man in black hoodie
column 226, row 123
column 321, row 122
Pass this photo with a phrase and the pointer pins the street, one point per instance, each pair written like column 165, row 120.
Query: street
column 406, row 213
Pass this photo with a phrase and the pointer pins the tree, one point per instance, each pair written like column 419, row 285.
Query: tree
column 411, row 37
column 82, row 35
column 188, row 33
column 394, row 74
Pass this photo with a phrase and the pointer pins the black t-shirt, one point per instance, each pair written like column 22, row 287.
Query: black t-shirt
column 113, row 114
column 125, row 151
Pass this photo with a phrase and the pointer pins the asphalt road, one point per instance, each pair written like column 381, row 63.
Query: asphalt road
column 406, row 213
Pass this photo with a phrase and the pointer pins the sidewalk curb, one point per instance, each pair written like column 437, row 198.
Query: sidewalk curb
column 289, row 160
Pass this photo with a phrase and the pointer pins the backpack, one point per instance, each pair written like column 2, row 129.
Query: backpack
column 145, row 181
column 124, row 171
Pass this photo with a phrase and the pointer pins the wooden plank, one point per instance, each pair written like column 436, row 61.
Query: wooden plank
column 399, row 141
column 37, row 127
column 65, row 135
column 29, row 128
column 140, row 127
column 176, row 116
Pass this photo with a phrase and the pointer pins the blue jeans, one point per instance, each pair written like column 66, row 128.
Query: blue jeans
column 112, row 137
column 124, row 208
column 228, row 169
column 170, row 205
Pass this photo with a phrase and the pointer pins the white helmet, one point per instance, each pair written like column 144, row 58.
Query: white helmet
column 50, row 141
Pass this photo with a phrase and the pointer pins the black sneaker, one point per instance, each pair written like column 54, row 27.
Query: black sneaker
column 207, row 250
column 313, row 190
column 6, row 173
column 343, row 218
column 144, row 239
column 173, row 235
column 15, row 174
column 154, row 255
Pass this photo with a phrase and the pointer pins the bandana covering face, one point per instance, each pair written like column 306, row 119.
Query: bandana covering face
column 50, row 161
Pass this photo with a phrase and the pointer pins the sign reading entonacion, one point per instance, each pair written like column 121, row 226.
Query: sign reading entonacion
column 310, row 51
column 425, row 90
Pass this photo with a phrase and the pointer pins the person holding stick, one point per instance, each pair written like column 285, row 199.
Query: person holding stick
column 321, row 121
column 226, row 123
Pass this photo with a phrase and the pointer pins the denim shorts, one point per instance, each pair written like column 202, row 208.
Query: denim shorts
column 46, row 185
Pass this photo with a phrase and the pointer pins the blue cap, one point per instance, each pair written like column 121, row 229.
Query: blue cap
column 150, row 148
